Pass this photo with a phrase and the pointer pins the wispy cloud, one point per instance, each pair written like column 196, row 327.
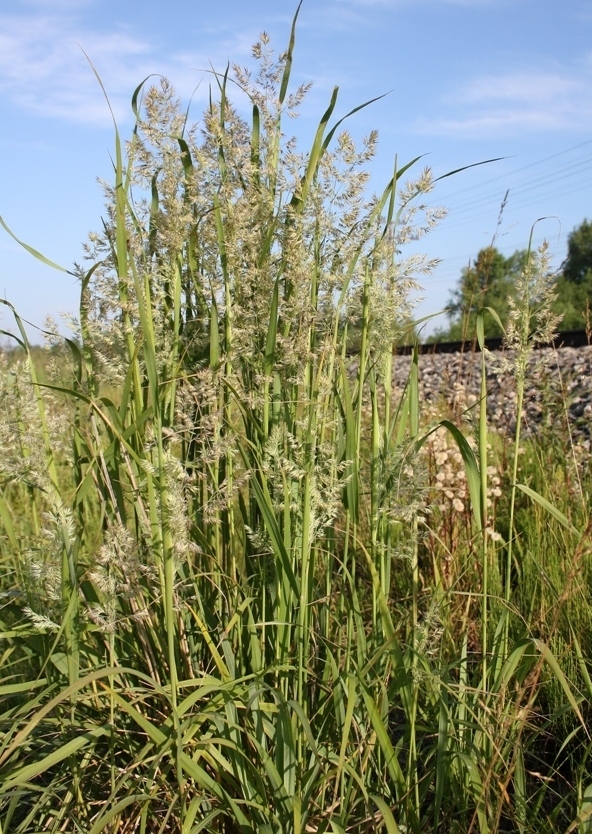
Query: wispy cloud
column 521, row 101
column 545, row 87
column 43, row 68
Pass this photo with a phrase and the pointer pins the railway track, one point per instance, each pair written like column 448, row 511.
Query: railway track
column 568, row 338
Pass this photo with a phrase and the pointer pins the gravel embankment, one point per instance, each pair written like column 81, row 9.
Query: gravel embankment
column 555, row 378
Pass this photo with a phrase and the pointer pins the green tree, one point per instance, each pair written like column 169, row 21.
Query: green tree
column 574, row 283
column 489, row 282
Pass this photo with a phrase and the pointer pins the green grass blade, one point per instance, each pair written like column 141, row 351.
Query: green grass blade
column 383, row 738
column 24, row 774
column 551, row 660
column 265, row 505
column 288, row 57
column 387, row 815
column 104, row 819
column 471, row 465
column 34, row 252
column 550, row 508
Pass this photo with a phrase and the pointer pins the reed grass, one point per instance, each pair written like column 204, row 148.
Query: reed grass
column 216, row 606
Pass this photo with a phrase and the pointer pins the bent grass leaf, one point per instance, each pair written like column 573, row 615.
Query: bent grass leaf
column 387, row 815
column 24, row 774
column 551, row 660
column 65, row 695
column 470, row 461
column 34, row 252
column 475, row 786
column 383, row 738
column 104, row 819
column 550, row 508
column 467, row 167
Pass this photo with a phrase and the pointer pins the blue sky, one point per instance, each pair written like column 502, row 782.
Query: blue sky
column 467, row 80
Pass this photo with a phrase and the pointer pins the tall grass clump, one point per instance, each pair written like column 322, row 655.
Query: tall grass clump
column 214, row 599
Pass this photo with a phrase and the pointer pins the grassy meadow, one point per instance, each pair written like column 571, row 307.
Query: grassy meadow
column 250, row 585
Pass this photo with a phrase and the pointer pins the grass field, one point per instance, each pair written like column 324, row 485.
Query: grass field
column 245, row 587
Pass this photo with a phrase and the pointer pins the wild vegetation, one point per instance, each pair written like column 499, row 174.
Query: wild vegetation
column 245, row 587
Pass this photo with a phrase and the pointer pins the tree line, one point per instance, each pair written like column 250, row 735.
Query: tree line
column 492, row 279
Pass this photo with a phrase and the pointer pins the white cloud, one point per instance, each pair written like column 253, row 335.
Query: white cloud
column 43, row 68
column 520, row 87
column 518, row 102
